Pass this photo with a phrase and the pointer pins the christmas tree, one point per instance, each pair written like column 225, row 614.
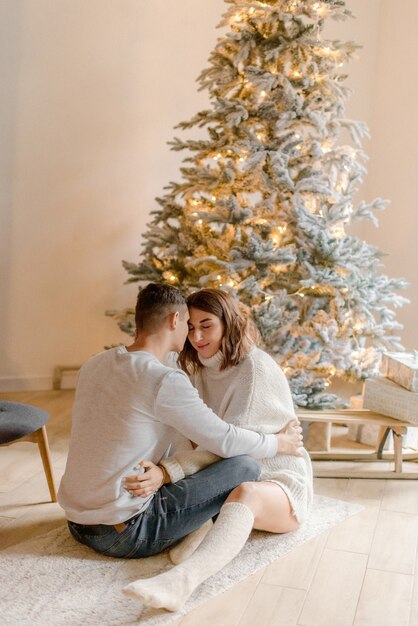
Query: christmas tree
column 265, row 199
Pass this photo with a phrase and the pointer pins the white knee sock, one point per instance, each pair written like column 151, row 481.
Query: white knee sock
column 171, row 589
column 190, row 543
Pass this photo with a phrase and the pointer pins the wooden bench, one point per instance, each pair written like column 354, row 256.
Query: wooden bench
column 362, row 416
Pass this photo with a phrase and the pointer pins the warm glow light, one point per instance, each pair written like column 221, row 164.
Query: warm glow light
column 263, row 93
column 276, row 234
column 200, row 222
column 213, row 198
column 338, row 231
column 170, row 277
column 330, row 53
column 320, row 8
column 296, row 74
column 251, row 11
column 310, row 203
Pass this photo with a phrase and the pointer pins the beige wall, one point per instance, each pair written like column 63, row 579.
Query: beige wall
column 393, row 152
column 90, row 93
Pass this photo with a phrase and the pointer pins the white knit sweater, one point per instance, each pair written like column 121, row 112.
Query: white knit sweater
column 255, row 395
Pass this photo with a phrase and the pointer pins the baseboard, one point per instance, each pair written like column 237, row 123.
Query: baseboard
column 36, row 383
column 25, row 383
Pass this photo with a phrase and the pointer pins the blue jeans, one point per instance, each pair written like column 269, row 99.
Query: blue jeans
column 175, row 511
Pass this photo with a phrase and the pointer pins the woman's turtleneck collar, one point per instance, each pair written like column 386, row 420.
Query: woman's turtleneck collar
column 214, row 362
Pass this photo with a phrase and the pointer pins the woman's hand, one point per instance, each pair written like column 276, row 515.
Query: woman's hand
column 146, row 483
column 290, row 440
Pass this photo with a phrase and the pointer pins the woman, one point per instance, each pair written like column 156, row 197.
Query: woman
column 245, row 387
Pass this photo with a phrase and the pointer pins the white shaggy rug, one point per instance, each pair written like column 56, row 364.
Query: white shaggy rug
column 53, row 580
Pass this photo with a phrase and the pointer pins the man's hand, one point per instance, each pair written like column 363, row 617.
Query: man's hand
column 146, row 483
column 290, row 440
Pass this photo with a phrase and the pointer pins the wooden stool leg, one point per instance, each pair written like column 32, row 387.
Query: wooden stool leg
column 46, row 460
column 397, row 445
column 382, row 443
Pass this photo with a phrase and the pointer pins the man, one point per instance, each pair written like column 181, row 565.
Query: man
column 128, row 407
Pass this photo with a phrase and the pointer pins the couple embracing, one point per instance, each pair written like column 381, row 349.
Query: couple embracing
column 158, row 451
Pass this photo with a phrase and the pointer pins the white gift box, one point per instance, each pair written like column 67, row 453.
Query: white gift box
column 369, row 434
column 402, row 368
column 386, row 397
column 317, row 437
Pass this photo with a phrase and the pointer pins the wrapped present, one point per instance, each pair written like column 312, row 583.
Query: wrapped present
column 353, row 432
column 402, row 368
column 317, row 437
column 370, row 434
column 386, row 397
column 356, row 402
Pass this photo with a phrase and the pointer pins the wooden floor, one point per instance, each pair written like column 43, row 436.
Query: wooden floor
column 360, row 573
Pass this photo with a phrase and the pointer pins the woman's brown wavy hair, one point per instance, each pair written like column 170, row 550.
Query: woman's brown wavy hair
column 240, row 333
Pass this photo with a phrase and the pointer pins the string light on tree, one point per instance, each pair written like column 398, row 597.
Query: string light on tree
column 320, row 8
column 265, row 201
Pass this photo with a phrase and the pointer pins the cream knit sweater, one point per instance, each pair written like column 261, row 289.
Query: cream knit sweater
column 255, row 395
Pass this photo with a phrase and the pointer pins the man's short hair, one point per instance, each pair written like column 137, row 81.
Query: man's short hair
column 154, row 303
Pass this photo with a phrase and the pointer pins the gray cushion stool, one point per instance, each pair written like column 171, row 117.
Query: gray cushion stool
column 22, row 422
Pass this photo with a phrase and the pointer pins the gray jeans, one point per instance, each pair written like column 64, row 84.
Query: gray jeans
column 175, row 511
